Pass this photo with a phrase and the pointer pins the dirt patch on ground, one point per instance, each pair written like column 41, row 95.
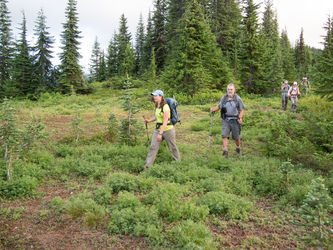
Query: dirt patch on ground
column 38, row 227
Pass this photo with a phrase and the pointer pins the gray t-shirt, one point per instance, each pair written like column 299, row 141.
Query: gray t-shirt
column 285, row 90
column 233, row 106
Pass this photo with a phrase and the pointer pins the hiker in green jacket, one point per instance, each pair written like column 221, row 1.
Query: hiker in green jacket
column 306, row 84
column 232, row 111
column 164, row 130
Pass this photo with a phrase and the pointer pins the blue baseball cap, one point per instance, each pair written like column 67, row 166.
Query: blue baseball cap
column 157, row 92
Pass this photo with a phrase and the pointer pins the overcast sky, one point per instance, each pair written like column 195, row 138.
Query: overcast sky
column 101, row 18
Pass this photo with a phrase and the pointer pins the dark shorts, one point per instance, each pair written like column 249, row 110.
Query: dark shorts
column 230, row 126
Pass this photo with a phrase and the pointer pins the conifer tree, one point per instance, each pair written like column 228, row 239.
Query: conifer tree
column 139, row 46
column 287, row 57
column 71, row 72
column 323, row 70
column 112, row 58
column 302, row 56
column 272, row 59
column 251, row 51
column 95, row 60
column 195, row 62
column 225, row 19
column 128, row 131
column 6, row 48
column 43, row 50
column 128, row 64
column 148, row 45
column 314, row 212
column 23, row 79
column 101, row 74
column 159, row 34
column 123, row 38
column 175, row 9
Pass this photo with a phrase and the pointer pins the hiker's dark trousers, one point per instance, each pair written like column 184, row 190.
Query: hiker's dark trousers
column 170, row 138
column 284, row 101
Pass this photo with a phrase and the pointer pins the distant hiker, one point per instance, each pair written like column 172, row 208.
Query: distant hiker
column 293, row 93
column 306, row 84
column 164, row 130
column 232, row 110
column 285, row 89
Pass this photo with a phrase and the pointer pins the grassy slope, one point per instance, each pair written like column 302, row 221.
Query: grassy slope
column 41, row 223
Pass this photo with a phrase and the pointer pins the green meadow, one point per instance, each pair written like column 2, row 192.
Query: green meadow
column 79, row 183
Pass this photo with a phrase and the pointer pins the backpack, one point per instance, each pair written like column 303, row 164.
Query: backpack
column 224, row 102
column 174, row 115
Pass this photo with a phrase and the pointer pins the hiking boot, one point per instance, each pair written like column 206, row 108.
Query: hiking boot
column 225, row 153
column 237, row 151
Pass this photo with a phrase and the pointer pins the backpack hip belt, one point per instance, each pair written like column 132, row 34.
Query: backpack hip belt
column 158, row 125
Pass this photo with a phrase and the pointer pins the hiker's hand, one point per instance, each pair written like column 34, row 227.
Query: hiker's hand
column 159, row 137
column 212, row 110
column 240, row 119
column 145, row 121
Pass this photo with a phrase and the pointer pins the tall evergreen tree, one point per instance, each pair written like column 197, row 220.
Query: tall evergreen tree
column 225, row 21
column 127, row 66
column 71, row 75
column 139, row 46
column 195, row 62
column 175, row 10
column 323, row 70
column 251, row 51
column 159, row 42
column 22, row 78
column 43, row 50
column 123, row 38
column 102, row 72
column 112, row 58
column 6, row 48
column 287, row 57
column 302, row 57
column 272, row 59
column 148, row 45
column 95, row 60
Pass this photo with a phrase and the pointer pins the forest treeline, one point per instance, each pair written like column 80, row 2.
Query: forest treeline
column 186, row 45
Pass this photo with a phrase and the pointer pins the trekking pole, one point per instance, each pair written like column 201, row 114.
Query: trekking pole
column 241, row 138
column 146, row 130
column 210, row 130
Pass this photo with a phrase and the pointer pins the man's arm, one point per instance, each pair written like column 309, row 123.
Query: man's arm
column 215, row 109
column 240, row 118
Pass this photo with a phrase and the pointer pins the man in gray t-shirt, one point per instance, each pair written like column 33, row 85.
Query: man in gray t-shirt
column 232, row 108
column 285, row 89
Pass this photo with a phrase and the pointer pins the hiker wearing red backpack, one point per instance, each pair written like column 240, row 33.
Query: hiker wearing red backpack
column 232, row 111
column 292, row 94
column 164, row 129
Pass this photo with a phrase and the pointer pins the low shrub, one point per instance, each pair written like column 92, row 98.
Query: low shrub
column 24, row 186
column 173, row 205
column 83, row 205
column 137, row 221
column 192, row 235
column 104, row 195
column 230, row 205
column 127, row 200
column 122, row 182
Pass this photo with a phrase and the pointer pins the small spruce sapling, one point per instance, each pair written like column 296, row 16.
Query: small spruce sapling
column 316, row 218
column 112, row 128
column 128, row 130
column 14, row 139
column 76, row 121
